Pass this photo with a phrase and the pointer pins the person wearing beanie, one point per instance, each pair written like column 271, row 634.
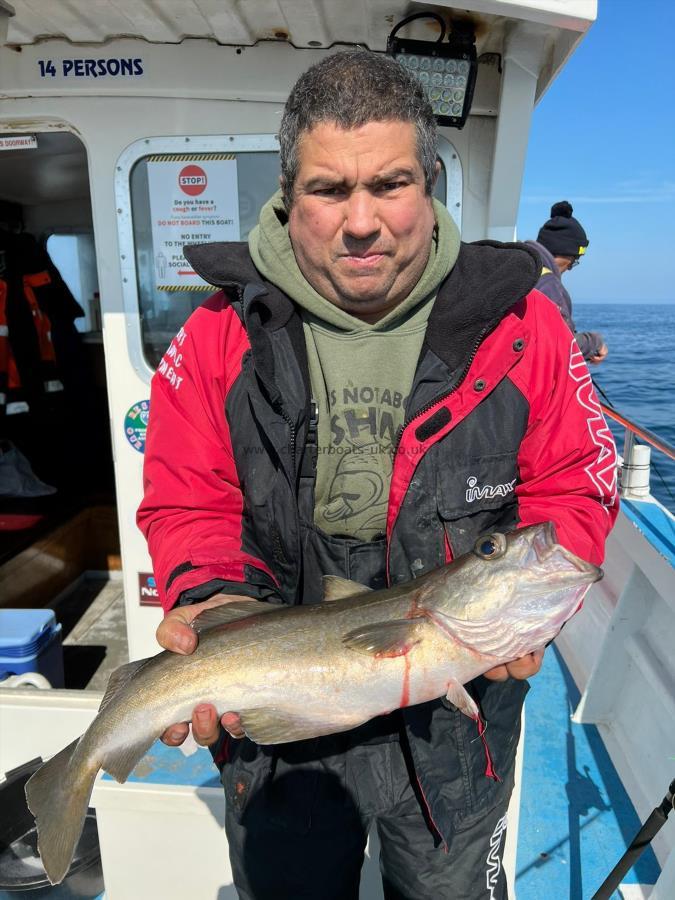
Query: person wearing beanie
column 561, row 243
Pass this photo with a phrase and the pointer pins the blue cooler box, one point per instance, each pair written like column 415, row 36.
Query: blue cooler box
column 30, row 641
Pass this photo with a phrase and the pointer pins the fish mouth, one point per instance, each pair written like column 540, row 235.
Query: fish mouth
column 545, row 552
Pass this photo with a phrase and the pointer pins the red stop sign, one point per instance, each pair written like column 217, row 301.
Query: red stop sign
column 192, row 180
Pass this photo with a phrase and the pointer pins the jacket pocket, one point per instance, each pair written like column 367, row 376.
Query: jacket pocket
column 475, row 496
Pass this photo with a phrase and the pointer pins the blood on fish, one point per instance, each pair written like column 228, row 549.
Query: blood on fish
column 414, row 612
column 394, row 652
column 405, row 690
column 489, row 767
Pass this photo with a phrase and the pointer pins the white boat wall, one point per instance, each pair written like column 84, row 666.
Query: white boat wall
column 108, row 88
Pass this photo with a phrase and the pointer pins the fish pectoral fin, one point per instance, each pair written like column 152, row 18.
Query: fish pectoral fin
column 121, row 762
column 336, row 588
column 270, row 725
column 460, row 697
column 387, row 639
column 119, row 679
column 231, row 612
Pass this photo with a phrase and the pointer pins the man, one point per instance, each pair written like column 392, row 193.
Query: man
column 561, row 243
column 346, row 400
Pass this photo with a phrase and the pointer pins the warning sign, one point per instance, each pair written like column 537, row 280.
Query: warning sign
column 193, row 200
column 192, row 180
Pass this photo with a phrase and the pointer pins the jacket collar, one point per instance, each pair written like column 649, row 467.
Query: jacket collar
column 487, row 279
column 228, row 266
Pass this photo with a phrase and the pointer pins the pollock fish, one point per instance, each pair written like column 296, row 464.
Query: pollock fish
column 302, row 671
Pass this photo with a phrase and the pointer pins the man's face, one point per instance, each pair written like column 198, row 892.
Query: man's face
column 361, row 223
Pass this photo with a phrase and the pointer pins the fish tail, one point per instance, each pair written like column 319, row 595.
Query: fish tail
column 58, row 796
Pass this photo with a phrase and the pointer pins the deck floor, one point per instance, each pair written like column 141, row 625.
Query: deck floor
column 96, row 639
column 576, row 819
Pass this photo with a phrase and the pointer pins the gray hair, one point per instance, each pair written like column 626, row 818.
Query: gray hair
column 350, row 89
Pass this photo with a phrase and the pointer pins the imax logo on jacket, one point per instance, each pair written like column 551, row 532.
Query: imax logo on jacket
column 489, row 491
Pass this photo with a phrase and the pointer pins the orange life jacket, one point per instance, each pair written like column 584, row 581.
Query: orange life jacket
column 9, row 374
column 10, row 379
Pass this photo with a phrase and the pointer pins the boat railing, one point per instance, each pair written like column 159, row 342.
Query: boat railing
column 635, row 468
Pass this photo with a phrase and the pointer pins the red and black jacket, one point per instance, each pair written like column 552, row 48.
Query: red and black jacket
column 503, row 429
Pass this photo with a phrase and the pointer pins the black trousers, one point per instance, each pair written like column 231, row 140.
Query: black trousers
column 304, row 837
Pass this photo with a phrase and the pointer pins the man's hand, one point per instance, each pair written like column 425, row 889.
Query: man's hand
column 174, row 633
column 599, row 356
column 521, row 668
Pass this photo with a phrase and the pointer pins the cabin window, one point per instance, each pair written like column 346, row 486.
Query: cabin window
column 74, row 255
column 441, row 184
column 179, row 199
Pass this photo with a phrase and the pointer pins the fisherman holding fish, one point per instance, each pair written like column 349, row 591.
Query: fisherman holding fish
column 364, row 397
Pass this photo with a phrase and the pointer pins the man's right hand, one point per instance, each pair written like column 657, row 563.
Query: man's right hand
column 176, row 634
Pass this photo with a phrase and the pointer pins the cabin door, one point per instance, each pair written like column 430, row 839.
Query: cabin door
column 56, row 462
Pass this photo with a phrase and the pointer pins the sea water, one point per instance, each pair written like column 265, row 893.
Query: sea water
column 638, row 375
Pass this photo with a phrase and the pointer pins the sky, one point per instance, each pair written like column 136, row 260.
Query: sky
column 603, row 137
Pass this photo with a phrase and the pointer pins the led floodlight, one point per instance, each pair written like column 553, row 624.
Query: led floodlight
column 446, row 70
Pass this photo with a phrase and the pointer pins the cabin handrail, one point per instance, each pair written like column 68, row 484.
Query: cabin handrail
column 644, row 433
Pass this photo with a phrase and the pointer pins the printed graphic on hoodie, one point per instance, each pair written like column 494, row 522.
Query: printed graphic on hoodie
column 364, row 420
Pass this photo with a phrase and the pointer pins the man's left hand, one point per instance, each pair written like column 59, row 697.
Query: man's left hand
column 521, row 668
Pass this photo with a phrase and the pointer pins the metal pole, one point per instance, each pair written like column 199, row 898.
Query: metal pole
column 652, row 826
column 628, row 444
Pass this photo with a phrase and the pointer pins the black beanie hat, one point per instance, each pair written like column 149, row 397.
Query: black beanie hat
column 562, row 235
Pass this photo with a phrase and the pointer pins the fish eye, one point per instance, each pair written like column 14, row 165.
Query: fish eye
column 490, row 546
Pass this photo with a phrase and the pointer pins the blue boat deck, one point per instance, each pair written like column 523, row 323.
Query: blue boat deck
column 576, row 819
column 656, row 523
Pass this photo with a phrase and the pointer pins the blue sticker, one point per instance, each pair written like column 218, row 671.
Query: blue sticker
column 136, row 424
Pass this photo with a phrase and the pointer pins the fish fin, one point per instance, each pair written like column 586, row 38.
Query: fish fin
column 268, row 725
column 386, row 639
column 119, row 679
column 336, row 588
column 58, row 796
column 460, row 697
column 231, row 612
column 121, row 762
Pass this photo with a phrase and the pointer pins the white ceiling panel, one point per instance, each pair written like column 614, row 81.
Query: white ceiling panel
column 305, row 23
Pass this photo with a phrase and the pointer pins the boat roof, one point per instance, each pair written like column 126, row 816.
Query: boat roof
column 303, row 23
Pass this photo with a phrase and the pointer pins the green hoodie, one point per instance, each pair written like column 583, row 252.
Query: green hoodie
column 360, row 373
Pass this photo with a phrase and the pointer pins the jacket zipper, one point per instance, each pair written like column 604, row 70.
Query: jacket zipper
column 448, row 393
column 292, row 433
column 428, row 406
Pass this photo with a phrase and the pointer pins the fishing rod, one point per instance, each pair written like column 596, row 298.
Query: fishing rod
column 642, row 839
